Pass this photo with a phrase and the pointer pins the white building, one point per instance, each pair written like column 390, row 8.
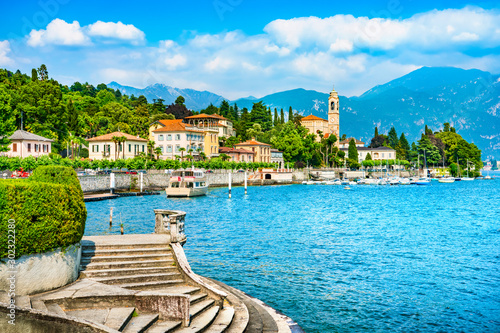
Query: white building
column 380, row 153
column 103, row 147
column 26, row 144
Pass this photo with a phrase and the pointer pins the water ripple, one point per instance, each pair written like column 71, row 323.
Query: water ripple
column 373, row 259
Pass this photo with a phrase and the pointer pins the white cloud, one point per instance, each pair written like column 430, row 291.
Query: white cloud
column 176, row 61
column 116, row 30
column 434, row 30
column 4, row 51
column 58, row 32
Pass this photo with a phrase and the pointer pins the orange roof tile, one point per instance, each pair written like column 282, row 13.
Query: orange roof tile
column 252, row 143
column 346, row 141
column 109, row 137
column 312, row 117
column 203, row 115
column 175, row 125
column 233, row 150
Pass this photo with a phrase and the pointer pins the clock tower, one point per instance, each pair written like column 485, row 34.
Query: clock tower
column 333, row 114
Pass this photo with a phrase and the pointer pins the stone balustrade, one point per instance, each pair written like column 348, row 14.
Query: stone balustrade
column 170, row 222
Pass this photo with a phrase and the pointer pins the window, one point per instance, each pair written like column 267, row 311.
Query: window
column 160, row 137
column 382, row 155
column 177, row 147
column 143, row 148
column 95, row 148
column 169, row 137
column 29, row 147
column 14, row 147
column 129, row 148
column 177, row 137
column 390, row 155
column 161, row 148
column 169, row 149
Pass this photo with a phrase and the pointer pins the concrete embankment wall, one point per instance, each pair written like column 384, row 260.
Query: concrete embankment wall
column 41, row 272
column 159, row 179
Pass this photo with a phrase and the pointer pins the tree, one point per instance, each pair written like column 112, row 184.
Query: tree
column 182, row 150
column 7, row 119
column 290, row 114
column 115, row 140
column 180, row 100
column 151, row 147
column 34, row 75
column 282, row 117
column 224, row 109
column 179, row 111
column 446, row 127
column 352, row 151
column 393, row 138
column 43, row 74
column 259, row 114
column 431, row 152
column 254, row 131
column 276, row 121
column 224, row 157
column 376, row 132
column 368, row 157
column 73, row 118
column 158, row 152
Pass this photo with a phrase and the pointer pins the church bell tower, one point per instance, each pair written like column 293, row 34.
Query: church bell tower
column 333, row 114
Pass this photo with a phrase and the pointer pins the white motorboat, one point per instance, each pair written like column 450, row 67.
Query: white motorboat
column 446, row 180
column 187, row 183
column 423, row 181
column 468, row 179
column 404, row 181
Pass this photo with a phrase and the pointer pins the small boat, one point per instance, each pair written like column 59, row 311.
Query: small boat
column 347, row 188
column 423, row 181
column 468, row 179
column 394, row 181
column 353, row 183
column 381, row 182
column 446, row 180
column 187, row 183
column 404, row 181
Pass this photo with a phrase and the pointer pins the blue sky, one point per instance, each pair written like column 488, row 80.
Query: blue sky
column 237, row 48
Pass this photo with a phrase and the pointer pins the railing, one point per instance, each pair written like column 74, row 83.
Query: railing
column 170, row 222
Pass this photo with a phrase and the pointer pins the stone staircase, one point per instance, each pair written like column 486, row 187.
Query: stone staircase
column 113, row 273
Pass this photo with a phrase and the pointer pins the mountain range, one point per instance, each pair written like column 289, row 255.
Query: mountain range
column 468, row 99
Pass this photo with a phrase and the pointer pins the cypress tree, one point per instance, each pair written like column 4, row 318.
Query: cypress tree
column 276, row 121
column 393, row 138
column 34, row 75
column 282, row 118
column 376, row 132
column 290, row 114
column 353, row 151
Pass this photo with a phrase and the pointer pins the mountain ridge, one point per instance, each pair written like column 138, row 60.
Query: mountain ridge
column 468, row 99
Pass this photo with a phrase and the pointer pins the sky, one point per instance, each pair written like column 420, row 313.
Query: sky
column 240, row 48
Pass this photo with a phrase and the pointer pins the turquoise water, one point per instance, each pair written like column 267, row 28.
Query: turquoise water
column 372, row 259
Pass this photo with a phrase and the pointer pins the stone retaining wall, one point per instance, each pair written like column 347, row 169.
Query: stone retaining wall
column 101, row 183
column 36, row 273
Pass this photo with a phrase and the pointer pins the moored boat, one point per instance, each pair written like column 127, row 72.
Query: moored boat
column 423, row 181
column 187, row 183
column 446, row 180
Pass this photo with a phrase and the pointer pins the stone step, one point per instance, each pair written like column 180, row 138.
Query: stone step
column 223, row 320
column 198, row 297
column 23, row 302
column 153, row 285
column 128, row 264
column 39, row 305
column 98, row 247
column 126, row 271
column 140, row 323
column 118, row 318
column 139, row 278
column 199, row 307
column 202, row 321
column 55, row 308
column 120, row 252
column 94, row 315
column 180, row 289
column 164, row 326
column 136, row 258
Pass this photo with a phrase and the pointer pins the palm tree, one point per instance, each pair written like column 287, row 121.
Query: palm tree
column 157, row 152
column 151, row 146
column 203, row 156
column 182, row 150
column 121, row 140
column 190, row 152
column 116, row 139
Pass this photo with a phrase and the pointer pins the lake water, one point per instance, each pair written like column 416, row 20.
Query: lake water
column 373, row 258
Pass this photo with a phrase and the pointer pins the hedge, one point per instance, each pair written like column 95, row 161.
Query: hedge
column 48, row 210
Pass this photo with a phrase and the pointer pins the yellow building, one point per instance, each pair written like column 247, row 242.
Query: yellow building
column 173, row 134
column 327, row 127
column 103, row 147
column 262, row 150
column 315, row 124
column 223, row 125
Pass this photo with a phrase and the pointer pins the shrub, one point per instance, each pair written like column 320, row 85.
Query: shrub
column 48, row 210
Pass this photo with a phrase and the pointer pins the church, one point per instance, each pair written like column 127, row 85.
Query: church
column 327, row 127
